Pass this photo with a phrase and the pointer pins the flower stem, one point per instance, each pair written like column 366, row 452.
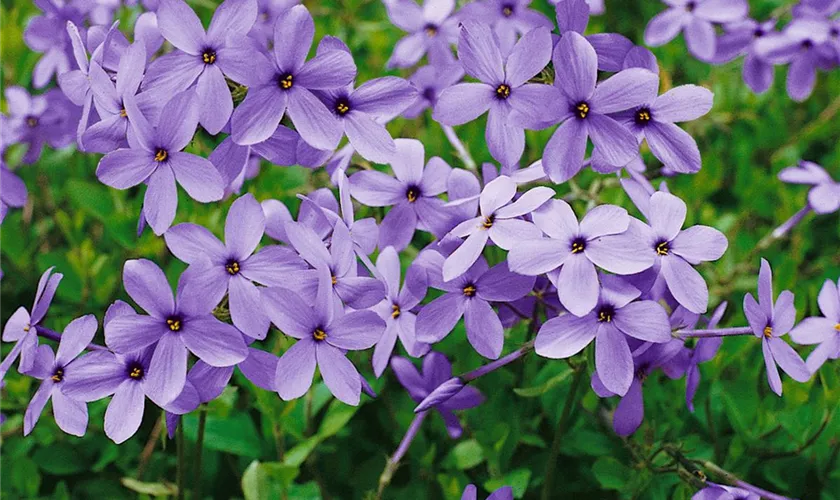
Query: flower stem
column 718, row 332
column 179, row 445
column 562, row 426
column 53, row 335
column 199, row 445
column 489, row 367
column 394, row 461
column 790, row 223
column 460, row 148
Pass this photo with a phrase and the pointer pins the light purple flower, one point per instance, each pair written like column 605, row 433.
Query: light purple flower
column 157, row 160
column 600, row 239
column 508, row 18
column 232, row 267
column 430, row 81
column 503, row 493
column 268, row 11
column 513, row 104
column 824, row 196
column 396, row 309
column 741, row 39
column 22, row 326
column 413, row 193
column 175, row 325
column 769, row 322
column 436, row 370
column 824, row 330
column 46, row 34
column 431, row 30
column 12, row 193
column 323, row 339
column 285, row 85
column 630, row 411
column 587, row 106
column 36, row 120
column 722, row 492
column 55, row 370
column 695, row 19
column 207, row 57
column 677, row 250
column 498, row 221
column 469, row 295
column 612, row 48
column 617, row 316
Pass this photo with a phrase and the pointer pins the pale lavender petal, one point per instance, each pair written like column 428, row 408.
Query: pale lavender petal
column 773, row 377
column 127, row 334
column 326, row 71
column 645, row 320
column 370, row 138
column 535, row 257
column 529, row 56
column 398, row 227
column 356, row 331
column 289, row 312
column 232, row 17
column 563, row 155
column 339, row 374
column 360, row 292
column 260, row 368
column 682, row 104
column 125, row 168
column 178, row 121
column 94, row 376
column 788, row 360
column 580, row 67
column 384, row 348
column 125, row 411
column 244, row 226
column 685, row 284
column 506, row 233
column 784, row 314
column 700, row 38
column 667, row 214
column 578, row 285
column 616, row 144
column 613, row 359
column 215, row 343
column 765, row 288
column 500, row 285
column 463, row 103
column 70, row 415
column 465, row 255
column 484, row 330
column 557, row 220
column 36, row 405
column 192, row 243
column 673, row 146
column 293, row 35
column 699, row 244
column 180, row 26
column 620, row 253
column 479, row 52
column 825, row 198
column 246, row 309
column 258, row 116
column 439, row 317
column 76, row 336
column 161, row 199
column 665, row 26
column 295, row 370
column 212, row 88
column 813, row 331
column 624, row 90
column 630, row 411
column 603, row 220
column 565, row 336
column 197, row 176
column 496, row 193
column 147, row 285
column 313, row 121
column 828, row 349
column 376, row 189
column 828, row 300
column 167, row 370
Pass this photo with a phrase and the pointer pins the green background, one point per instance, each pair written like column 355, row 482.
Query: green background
column 260, row 447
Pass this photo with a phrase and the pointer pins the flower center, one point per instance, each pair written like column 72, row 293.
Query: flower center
column 581, row 109
column 135, row 371
column 662, row 248
column 643, row 116
column 503, row 91
column 319, row 334
column 342, row 106
column 807, row 44
column 208, row 56
column 837, row 327
column 285, row 81
column 507, row 10
column 334, row 279
column 690, row 6
column 578, row 245
column 429, row 94
column 27, row 327
column 758, row 33
column 606, row 313
column 58, row 375
column 488, row 221
column 32, row 121
column 123, row 113
column 395, row 308
column 161, row 155
column 174, row 323
column 232, row 267
column 412, row 193
column 768, row 331
column 431, row 30
column 469, row 290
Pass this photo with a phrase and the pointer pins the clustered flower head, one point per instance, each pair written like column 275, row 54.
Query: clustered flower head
column 499, row 247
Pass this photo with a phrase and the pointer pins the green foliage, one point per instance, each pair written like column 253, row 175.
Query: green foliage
column 259, row 447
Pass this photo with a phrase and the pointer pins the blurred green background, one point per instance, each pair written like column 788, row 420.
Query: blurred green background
column 260, row 447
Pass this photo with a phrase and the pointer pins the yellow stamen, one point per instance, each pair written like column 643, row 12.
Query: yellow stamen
column 286, row 82
column 768, row 331
column 123, row 113
column 577, row 247
column 662, row 248
column 161, row 155
column 342, row 108
column 58, row 375
column 488, row 222
column 503, row 91
column 174, row 324
column 319, row 334
column 604, row 316
column 208, row 57
column 469, row 290
column 136, row 372
column 396, row 311
column 232, row 268
column 582, row 110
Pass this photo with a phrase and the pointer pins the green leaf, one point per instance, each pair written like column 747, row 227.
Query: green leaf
column 267, row 480
column 338, row 414
column 467, row 454
column 539, row 390
column 59, row 459
column 154, row 489
column 234, row 434
column 611, row 473
column 517, row 479
column 297, row 455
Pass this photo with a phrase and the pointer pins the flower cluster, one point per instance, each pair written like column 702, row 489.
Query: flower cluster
column 809, row 42
column 498, row 247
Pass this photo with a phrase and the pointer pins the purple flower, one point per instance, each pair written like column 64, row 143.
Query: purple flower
column 414, row 194
column 824, row 196
column 677, row 249
column 503, row 493
column 157, row 159
column 741, row 39
column 39, row 119
column 13, row 193
column 207, row 57
column 286, row 84
column 46, row 34
column 617, row 316
column 355, row 291
column 612, row 48
column 396, row 309
column 232, row 267
column 508, row 18
column 600, row 239
column 769, row 322
column 586, row 108
column 175, row 325
column 469, row 295
column 361, row 111
column 430, row 81
column 430, row 29
column 498, row 221
column 436, row 370
column 823, row 330
column 806, row 46
column 513, row 104
column 630, row 411
column 655, row 121
column 324, row 336
column 22, row 326
column 57, row 369
column 694, row 18
column 268, row 11
column 722, row 492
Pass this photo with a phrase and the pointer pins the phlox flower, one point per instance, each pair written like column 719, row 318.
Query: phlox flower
column 694, row 18
column 824, row 330
column 13, row 193
column 431, row 30
column 508, row 18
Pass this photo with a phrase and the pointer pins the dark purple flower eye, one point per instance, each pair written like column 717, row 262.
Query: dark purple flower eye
column 232, row 267
column 503, row 91
column 135, row 370
column 507, row 9
column 174, row 323
column 643, row 116
column 606, row 313
column 431, row 30
column 161, row 155
column 662, row 248
column 412, row 193
column 342, row 106
column 285, row 81
column 690, row 6
column 578, row 245
column 488, row 221
column 31, row 121
column 469, row 290
column 319, row 334
column 429, row 94
column 581, row 109
column 758, row 33
column 807, row 44
column 58, row 375
column 208, row 56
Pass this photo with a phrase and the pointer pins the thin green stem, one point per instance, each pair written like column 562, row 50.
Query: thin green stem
column 179, row 445
column 562, row 427
column 199, row 449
